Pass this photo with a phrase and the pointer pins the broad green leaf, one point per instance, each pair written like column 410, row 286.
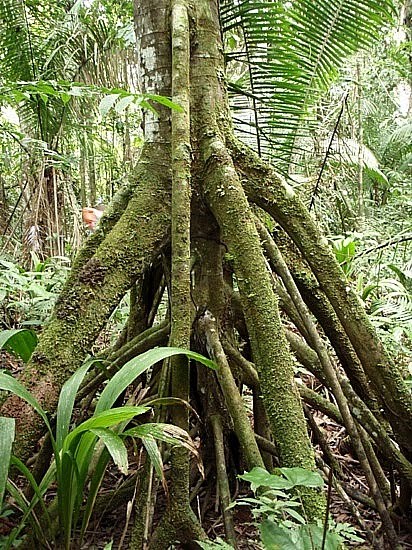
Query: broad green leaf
column 65, row 97
column 104, row 419
column 68, row 489
column 311, row 536
column 295, row 515
column 136, row 366
column 115, row 446
column 21, row 341
column 44, row 98
column 84, row 449
column 164, row 101
column 7, row 426
column 66, row 401
column 275, row 537
column 107, row 103
column 303, row 477
column 259, row 477
column 147, row 105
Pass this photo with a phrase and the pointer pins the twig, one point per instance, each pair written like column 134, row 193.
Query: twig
column 224, row 491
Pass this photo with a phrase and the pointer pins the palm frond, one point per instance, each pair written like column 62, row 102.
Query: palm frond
column 351, row 152
column 397, row 146
column 16, row 44
column 293, row 51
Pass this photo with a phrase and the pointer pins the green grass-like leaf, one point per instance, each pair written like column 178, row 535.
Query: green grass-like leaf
column 7, row 426
column 136, row 366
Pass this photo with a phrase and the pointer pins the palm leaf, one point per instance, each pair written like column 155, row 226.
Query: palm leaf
column 351, row 152
column 397, row 146
column 293, row 51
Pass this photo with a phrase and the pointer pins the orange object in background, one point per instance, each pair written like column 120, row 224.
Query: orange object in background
column 91, row 217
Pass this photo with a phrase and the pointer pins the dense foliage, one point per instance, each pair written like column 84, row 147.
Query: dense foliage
column 322, row 90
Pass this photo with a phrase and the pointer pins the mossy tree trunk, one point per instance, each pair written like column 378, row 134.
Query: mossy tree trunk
column 188, row 216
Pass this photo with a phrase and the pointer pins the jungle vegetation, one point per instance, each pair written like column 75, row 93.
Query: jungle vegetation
column 255, row 160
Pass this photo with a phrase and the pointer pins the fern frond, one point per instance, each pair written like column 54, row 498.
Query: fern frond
column 293, row 51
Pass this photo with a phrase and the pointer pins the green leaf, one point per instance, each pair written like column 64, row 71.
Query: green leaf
column 68, row 491
column 67, row 398
column 65, row 97
column 39, row 491
column 107, row 103
column 136, row 366
column 276, row 537
column 21, row 341
column 164, row 101
column 293, row 52
column 311, row 537
column 303, row 477
column 115, row 446
column 95, row 482
column 21, row 502
column 295, row 515
column 9, row 383
column 104, row 419
column 7, row 426
column 155, row 457
column 259, row 477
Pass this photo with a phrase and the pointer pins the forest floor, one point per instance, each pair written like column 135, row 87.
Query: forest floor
column 110, row 526
column 246, row 530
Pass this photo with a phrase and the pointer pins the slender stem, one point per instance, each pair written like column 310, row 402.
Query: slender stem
column 233, row 399
column 222, row 479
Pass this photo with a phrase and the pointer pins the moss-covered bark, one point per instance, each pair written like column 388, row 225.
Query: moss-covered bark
column 225, row 196
column 179, row 521
column 315, row 299
column 267, row 190
column 189, row 189
column 91, row 294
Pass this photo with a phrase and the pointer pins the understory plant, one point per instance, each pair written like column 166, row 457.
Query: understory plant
column 81, row 453
column 277, row 507
column 384, row 286
column 27, row 296
column 279, row 513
